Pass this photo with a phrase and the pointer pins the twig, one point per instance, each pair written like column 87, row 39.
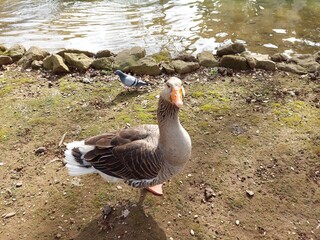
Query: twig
column 62, row 139
column 54, row 160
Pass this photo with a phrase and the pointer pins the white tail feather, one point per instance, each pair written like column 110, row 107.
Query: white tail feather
column 77, row 169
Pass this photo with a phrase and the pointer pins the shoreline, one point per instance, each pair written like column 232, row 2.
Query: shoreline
column 227, row 60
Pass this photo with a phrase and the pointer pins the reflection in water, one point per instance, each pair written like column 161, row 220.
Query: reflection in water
column 176, row 25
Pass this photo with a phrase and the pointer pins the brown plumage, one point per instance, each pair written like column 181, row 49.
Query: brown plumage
column 142, row 156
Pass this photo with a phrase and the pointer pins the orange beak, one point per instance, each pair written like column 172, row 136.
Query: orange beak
column 177, row 96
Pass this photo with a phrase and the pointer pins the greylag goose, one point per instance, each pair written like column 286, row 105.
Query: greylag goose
column 144, row 156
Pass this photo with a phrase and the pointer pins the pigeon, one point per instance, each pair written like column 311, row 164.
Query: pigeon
column 130, row 81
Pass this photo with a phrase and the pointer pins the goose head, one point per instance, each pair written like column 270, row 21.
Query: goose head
column 173, row 92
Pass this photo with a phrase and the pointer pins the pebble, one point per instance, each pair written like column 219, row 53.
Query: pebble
column 119, row 187
column 237, row 222
column 192, row 232
column 19, row 184
column 40, row 150
column 86, row 80
column 208, row 193
column 250, row 193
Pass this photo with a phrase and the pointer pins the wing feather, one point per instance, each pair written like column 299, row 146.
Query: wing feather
column 129, row 154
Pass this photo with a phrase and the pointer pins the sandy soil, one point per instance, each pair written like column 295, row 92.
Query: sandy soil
column 254, row 171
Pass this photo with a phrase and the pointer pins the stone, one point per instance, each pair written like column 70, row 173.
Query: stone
column 279, row 57
column 5, row 60
column 209, row 194
column 15, row 52
column 103, row 63
column 310, row 66
column 36, row 64
column 207, row 59
column 87, row 53
column 250, row 59
column 297, row 58
column 127, row 58
column 233, row 48
column 250, row 193
column 186, row 58
column 146, row 65
column 290, row 67
column 55, row 63
column 234, row 62
column 104, row 54
column 40, row 150
column 2, row 48
column 33, row 53
column 266, row 65
column 167, row 67
column 317, row 57
column 183, row 67
column 79, row 61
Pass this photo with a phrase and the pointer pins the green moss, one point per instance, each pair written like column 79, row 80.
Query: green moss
column 163, row 56
column 5, row 90
column 198, row 94
column 67, row 87
column 3, row 135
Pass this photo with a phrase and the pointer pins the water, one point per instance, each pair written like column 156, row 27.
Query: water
column 266, row 26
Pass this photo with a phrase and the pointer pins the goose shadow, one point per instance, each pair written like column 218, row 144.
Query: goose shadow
column 126, row 221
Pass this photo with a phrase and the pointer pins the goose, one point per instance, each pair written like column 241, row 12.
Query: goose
column 145, row 156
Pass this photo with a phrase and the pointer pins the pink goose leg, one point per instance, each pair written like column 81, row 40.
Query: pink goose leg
column 156, row 190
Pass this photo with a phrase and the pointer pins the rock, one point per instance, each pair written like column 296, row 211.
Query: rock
column 19, row 184
column 167, row 67
column 298, row 58
column 79, row 61
column 231, row 49
column 40, row 150
column 266, row 65
column 15, row 52
column 5, row 60
column 86, row 80
column 310, row 66
column 104, row 54
column 87, row 53
column 279, row 57
column 103, row 63
column 192, row 232
column 33, row 53
column 36, row 64
column 208, row 194
column 127, row 58
column 146, row 65
column 237, row 222
column 234, row 62
column 184, row 67
column 290, row 67
column 207, row 59
column 186, row 58
column 249, row 193
column 55, row 63
column 225, row 71
column 2, row 48
column 317, row 57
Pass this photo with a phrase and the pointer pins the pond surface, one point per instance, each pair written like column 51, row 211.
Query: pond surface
column 266, row 26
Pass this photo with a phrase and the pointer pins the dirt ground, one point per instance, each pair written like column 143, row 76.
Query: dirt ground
column 254, row 171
